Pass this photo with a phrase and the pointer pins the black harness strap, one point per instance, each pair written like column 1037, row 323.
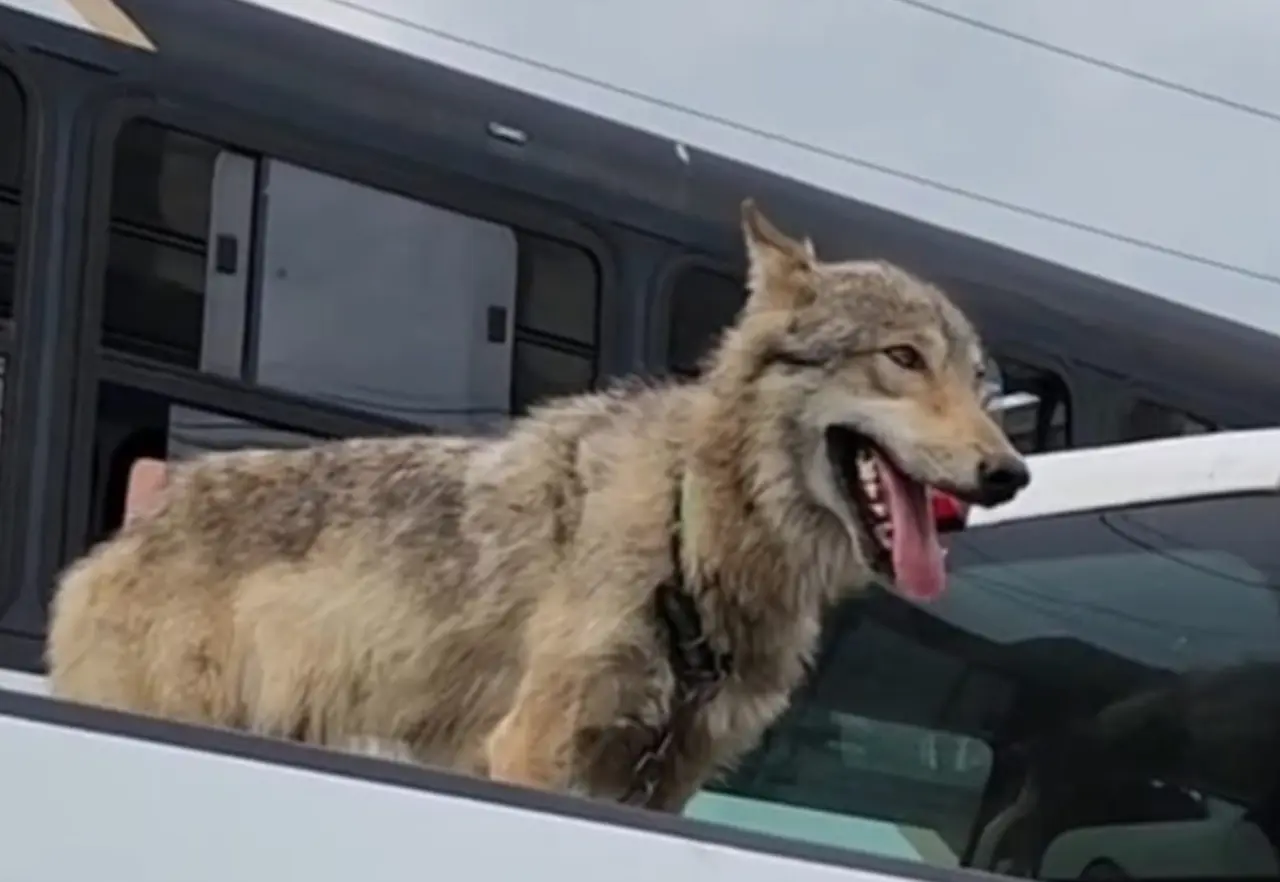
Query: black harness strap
column 698, row 668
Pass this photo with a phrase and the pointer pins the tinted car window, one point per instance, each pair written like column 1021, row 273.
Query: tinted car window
column 1146, row 419
column 1096, row 693
column 1037, row 407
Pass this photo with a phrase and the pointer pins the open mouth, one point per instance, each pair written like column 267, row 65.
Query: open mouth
column 894, row 512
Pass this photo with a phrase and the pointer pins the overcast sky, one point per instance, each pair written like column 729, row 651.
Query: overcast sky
column 919, row 92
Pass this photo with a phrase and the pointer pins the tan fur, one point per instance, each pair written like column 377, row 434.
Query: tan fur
column 484, row 604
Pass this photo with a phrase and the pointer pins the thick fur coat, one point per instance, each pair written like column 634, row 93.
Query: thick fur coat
column 486, row 605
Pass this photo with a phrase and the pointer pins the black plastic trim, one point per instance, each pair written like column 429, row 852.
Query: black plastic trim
column 223, row 395
column 15, row 446
column 262, row 404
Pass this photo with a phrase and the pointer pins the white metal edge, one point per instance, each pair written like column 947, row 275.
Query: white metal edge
column 124, row 808
column 1085, row 479
column 21, row 681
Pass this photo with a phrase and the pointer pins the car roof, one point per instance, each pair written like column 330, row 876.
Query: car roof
column 1119, row 475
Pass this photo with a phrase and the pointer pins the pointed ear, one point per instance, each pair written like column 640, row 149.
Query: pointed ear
column 779, row 269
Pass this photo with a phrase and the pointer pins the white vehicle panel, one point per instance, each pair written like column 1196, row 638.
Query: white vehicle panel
column 1144, row 471
column 149, row 811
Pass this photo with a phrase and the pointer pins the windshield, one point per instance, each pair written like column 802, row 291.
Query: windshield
column 1094, row 691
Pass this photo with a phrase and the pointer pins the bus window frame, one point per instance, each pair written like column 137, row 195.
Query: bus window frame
column 20, row 346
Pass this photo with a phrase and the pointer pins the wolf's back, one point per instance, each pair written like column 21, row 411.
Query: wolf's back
column 352, row 588
column 152, row 619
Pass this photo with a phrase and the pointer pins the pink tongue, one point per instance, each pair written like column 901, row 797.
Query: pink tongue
column 917, row 554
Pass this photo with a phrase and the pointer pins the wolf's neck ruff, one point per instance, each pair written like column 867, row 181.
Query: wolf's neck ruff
column 698, row 668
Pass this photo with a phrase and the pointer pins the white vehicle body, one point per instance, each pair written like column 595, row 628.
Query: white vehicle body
column 125, row 798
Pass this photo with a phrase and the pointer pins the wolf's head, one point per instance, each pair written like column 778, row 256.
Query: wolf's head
column 866, row 387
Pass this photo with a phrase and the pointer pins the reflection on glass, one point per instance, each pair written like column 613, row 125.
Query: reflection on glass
column 1095, row 691
column 839, row 779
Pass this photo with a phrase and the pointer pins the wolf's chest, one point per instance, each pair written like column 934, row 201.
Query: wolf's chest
column 734, row 721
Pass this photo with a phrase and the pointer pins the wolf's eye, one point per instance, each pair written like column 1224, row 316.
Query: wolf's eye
column 906, row 357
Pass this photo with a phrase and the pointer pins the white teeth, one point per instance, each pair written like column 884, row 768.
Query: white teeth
column 884, row 535
column 872, row 489
column 868, row 475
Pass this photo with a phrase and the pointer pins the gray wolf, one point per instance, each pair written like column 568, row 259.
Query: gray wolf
column 535, row 607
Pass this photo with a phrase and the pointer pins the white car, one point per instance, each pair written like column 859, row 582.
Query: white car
column 1094, row 697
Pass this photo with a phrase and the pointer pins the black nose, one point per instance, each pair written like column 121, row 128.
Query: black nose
column 999, row 480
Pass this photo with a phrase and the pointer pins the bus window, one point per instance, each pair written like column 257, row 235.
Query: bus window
column 1096, row 692
column 160, row 206
column 362, row 297
column 701, row 303
column 557, row 332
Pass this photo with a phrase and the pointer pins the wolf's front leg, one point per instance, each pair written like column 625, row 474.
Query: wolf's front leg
column 592, row 666
column 533, row 746
column 573, row 690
